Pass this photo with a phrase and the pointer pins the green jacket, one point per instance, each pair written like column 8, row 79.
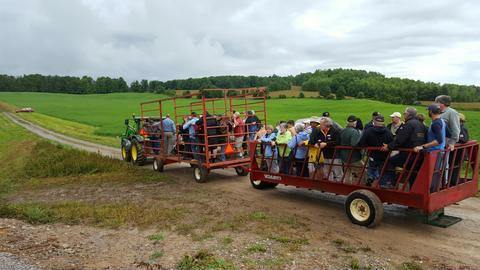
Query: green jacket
column 283, row 139
column 349, row 137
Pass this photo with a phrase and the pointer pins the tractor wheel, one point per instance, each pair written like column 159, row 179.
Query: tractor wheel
column 241, row 171
column 200, row 174
column 364, row 208
column 137, row 153
column 126, row 156
column 158, row 165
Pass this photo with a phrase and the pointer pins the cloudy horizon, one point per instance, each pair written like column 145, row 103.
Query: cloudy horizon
column 163, row 40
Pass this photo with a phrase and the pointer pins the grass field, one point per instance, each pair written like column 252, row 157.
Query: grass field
column 100, row 117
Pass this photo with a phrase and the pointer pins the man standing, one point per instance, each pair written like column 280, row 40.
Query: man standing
column 370, row 124
column 396, row 123
column 436, row 137
column 410, row 135
column 376, row 136
column 349, row 136
column 450, row 116
column 168, row 126
column 253, row 125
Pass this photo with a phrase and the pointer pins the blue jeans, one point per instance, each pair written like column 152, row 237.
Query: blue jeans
column 374, row 168
column 436, row 179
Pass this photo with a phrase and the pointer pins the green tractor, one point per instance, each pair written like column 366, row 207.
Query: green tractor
column 132, row 142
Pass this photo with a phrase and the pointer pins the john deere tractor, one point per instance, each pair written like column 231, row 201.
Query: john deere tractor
column 133, row 141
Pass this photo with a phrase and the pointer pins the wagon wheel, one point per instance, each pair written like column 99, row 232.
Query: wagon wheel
column 158, row 165
column 364, row 208
column 241, row 171
column 125, row 153
column 259, row 184
column 200, row 173
column 137, row 153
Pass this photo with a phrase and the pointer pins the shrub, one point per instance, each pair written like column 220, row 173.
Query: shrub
column 301, row 95
column 330, row 96
column 282, row 96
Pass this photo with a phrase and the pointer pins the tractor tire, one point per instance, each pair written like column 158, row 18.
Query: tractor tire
column 364, row 208
column 241, row 171
column 158, row 165
column 126, row 155
column 200, row 174
column 137, row 153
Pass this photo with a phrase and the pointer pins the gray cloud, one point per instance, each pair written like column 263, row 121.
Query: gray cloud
column 434, row 41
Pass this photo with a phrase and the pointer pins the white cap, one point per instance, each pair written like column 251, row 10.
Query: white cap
column 396, row 114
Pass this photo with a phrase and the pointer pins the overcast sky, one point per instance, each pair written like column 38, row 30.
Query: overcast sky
column 429, row 40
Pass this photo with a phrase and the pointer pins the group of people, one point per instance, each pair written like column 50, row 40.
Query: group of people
column 221, row 131
column 307, row 148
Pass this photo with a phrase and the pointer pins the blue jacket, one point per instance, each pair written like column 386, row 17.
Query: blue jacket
column 437, row 131
column 301, row 151
column 268, row 138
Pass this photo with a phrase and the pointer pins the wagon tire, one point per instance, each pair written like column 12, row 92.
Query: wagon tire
column 158, row 165
column 259, row 184
column 137, row 153
column 364, row 208
column 126, row 155
column 200, row 174
column 241, row 171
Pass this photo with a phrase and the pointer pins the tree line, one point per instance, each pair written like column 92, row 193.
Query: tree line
column 330, row 83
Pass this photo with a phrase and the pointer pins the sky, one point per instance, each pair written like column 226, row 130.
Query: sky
column 435, row 41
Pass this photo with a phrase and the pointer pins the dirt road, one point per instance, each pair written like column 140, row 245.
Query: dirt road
column 400, row 237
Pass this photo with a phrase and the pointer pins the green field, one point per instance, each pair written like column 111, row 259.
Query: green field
column 100, row 117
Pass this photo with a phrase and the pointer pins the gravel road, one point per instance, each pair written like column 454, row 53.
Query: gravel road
column 10, row 262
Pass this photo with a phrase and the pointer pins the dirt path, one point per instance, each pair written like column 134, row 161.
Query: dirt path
column 399, row 238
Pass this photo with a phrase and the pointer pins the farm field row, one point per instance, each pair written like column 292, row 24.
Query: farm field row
column 100, row 117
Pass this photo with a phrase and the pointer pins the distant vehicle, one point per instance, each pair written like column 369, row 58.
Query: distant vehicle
column 28, row 109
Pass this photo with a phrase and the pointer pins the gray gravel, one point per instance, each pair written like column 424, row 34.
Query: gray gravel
column 10, row 262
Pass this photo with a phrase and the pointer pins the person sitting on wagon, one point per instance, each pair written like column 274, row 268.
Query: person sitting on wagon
column 315, row 129
column 436, row 140
column 268, row 141
column 298, row 146
column 326, row 137
column 283, row 137
column 410, row 135
column 376, row 136
column 350, row 136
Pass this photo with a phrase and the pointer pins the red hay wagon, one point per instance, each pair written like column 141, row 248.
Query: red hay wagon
column 427, row 182
column 216, row 142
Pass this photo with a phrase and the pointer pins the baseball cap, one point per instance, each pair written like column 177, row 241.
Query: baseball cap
column 434, row 108
column 396, row 114
column 376, row 113
column 379, row 118
column 351, row 118
column 326, row 114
